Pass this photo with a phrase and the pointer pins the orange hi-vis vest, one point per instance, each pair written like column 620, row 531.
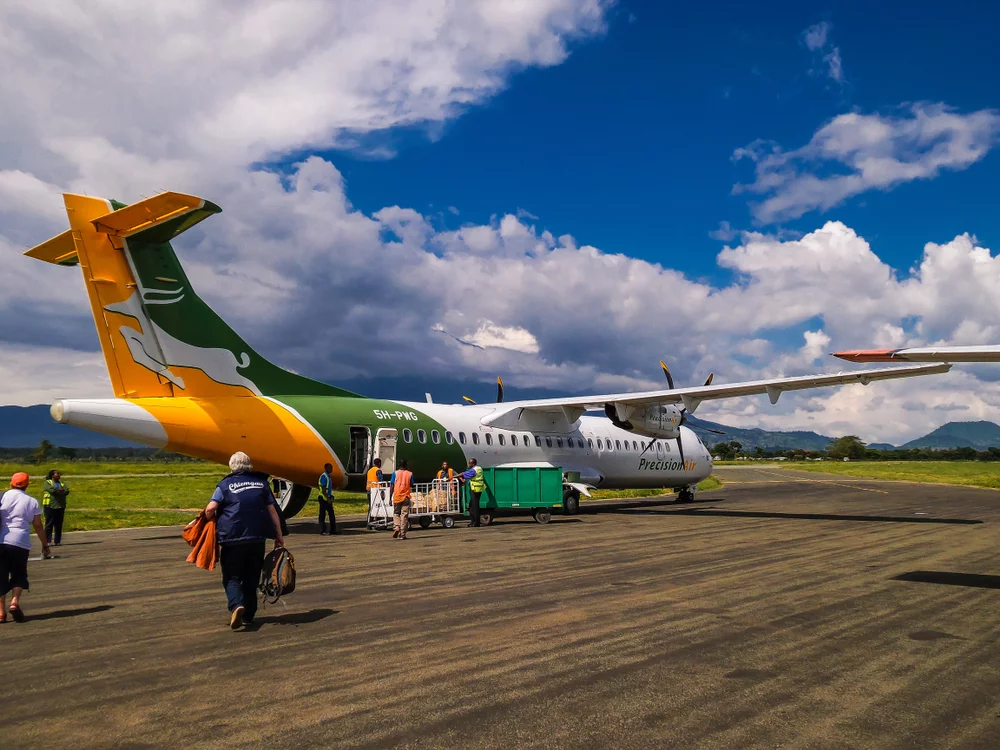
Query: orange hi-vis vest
column 372, row 477
column 451, row 474
column 401, row 487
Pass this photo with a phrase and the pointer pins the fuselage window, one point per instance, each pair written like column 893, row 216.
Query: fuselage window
column 489, row 439
column 461, row 438
column 590, row 443
column 421, row 436
column 448, row 437
column 635, row 446
column 407, row 436
column 579, row 442
column 569, row 442
column 435, row 437
column 626, row 444
column 559, row 442
column 548, row 441
column 513, row 440
column 527, row 440
column 659, row 447
column 475, row 438
column 600, row 444
column 501, row 439
column 618, row 445
column 538, row 441
column 608, row 443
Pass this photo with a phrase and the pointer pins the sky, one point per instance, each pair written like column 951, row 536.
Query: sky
column 576, row 188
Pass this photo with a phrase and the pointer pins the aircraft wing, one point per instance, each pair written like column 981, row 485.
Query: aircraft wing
column 510, row 413
column 989, row 353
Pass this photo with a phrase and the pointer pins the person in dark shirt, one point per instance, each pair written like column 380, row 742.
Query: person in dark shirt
column 246, row 516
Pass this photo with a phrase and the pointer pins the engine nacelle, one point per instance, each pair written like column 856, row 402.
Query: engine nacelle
column 658, row 421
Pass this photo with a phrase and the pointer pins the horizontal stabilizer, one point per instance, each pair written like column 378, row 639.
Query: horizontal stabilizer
column 152, row 212
column 60, row 250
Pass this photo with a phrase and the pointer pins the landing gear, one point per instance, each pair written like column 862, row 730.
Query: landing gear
column 291, row 498
column 685, row 495
column 571, row 501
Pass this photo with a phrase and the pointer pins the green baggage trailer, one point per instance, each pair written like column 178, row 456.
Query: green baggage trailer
column 512, row 489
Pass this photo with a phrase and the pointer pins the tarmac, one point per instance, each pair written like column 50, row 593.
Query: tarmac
column 783, row 610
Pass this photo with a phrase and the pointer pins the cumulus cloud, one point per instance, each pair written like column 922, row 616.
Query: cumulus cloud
column 855, row 153
column 291, row 262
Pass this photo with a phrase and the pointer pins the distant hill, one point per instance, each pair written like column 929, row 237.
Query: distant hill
column 978, row 435
column 751, row 438
column 27, row 426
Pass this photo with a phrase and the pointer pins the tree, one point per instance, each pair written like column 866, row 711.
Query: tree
column 849, row 446
column 42, row 452
column 68, row 453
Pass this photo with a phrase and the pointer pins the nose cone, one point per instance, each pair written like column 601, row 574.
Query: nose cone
column 866, row 355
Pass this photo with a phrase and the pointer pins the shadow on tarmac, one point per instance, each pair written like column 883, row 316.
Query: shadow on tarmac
column 61, row 613
column 293, row 618
column 807, row 516
column 971, row 580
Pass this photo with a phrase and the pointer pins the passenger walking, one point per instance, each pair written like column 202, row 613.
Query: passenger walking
column 402, row 489
column 19, row 515
column 246, row 516
column 54, row 506
column 326, row 501
column 477, row 485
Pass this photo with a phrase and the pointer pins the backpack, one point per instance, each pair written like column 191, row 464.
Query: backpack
column 277, row 577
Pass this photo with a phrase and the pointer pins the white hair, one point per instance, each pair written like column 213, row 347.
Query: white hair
column 240, row 461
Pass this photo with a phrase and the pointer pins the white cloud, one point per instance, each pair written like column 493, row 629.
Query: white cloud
column 292, row 264
column 876, row 152
column 725, row 232
column 826, row 57
column 815, row 36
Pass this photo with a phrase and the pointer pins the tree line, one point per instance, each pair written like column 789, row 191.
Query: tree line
column 47, row 452
column 853, row 448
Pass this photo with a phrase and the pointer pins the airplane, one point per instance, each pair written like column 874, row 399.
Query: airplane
column 186, row 382
column 988, row 353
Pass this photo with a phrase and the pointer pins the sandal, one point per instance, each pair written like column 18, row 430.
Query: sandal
column 17, row 614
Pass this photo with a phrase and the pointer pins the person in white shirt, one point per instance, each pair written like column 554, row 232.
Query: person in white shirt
column 19, row 514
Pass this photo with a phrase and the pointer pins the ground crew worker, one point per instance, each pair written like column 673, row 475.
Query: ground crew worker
column 19, row 514
column 374, row 474
column 326, row 501
column 402, row 487
column 477, row 485
column 246, row 516
column 54, row 506
column 445, row 472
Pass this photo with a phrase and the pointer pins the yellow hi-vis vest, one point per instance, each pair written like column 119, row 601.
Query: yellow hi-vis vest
column 477, row 483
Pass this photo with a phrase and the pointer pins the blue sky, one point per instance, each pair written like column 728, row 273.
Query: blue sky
column 578, row 187
column 628, row 144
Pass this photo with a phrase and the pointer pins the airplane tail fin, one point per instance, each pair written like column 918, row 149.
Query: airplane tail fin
column 159, row 338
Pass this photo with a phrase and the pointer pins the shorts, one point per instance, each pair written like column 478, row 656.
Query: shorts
column 13, row 568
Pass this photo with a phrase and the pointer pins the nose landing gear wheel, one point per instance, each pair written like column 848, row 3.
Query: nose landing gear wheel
column 685, row 496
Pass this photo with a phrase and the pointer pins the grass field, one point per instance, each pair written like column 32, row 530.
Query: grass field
column 110, row 495
column 970, row 473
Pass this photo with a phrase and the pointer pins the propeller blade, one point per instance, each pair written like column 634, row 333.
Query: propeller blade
column 680, row 448
column 499, row 390
column 466, row 398
column 669, row 377
column 706, row 429
column 711, row 376
column 651, row 443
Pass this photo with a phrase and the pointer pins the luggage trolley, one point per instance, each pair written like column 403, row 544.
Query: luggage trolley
column 430, row 502
column 436, row 501
column 380, row 506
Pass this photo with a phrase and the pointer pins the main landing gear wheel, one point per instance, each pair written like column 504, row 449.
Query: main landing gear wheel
column 447, row 522
column 685, row 496
column 542, row 515
column 571, row 502
column 425, row 522
column 291, row 498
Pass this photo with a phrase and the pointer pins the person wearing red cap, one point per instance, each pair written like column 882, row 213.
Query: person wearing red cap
column 19, row 514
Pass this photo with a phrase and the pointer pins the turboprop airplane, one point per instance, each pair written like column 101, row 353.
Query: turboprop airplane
column 186, row 382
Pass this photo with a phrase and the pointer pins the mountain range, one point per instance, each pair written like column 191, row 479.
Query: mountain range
column 27, row 426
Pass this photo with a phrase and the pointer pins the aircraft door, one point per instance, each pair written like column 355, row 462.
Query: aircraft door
column 385, row 448
column 358, row 459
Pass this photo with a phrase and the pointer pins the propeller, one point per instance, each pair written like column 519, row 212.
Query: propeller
column 684, row 417
column 499, row 393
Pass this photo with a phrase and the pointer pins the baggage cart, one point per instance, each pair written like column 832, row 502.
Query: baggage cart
column 513, row 489
column 430, row 502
